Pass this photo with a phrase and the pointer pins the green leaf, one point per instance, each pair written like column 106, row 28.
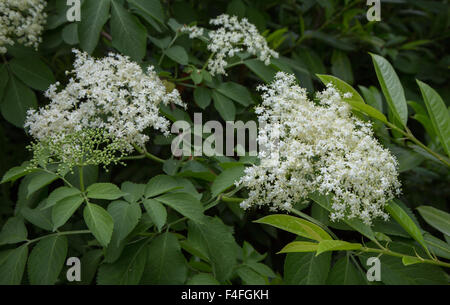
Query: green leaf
column 107, row 191
column 47, row 260
column 12, row 265
column 406, row 222
column 185, row 204
column 18, row 99
column 160, row 184
column 260, row 268
column 342, row 86
column 300, row 246
column 341, row 66
column 39, row 180
column 33, row 72
column 306, row 268
column 335, row 245
column 38, row 217
column 64, row 209
column 391, row 87
column 344, row 272
column 410, row 260
column 226, row 179
column 70, row 34
column 59, row 194
column 152, row 8
column 266, row 73
column 166, row 264
column 326, row 203
column 94, row 16
column 129, row 36
column 15, row 173
column 439, row 115
column 202, row 97
column 125, row 216
column 99, row 222
column 13, row 231
column 216, row 241
column 437, row 246
column 128, row 269
column 249, row 276
column 89, row 265
column 157, row 212
column 438, row 219
column 177, row 54
column 134, row 191
column 295, row 225
column 202, row 279
column 236, row 92
column 4, row 78
column 224, row 106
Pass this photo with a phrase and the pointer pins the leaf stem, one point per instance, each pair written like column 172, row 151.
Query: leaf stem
column 58, row 234
column 148, row 155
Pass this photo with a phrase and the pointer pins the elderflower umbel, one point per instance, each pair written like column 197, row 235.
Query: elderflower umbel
column 318, row 146
column 193, row 31
column 232, row 36
column 22, row 21
column 111, row 94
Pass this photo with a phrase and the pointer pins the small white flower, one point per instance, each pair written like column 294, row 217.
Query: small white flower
column 111, row 93
column 318, row 147
column 22, row 21
column 232, row 36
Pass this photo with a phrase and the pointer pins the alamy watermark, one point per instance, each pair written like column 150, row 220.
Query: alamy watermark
column 374, row 11
column 74, row 11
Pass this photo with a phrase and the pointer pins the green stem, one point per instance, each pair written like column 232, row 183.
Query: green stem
column 168, row 47
column 58, row 234
column 232, row 199
column 148, row 155
column 411, row 137
column 400, row 255
column 80, row 173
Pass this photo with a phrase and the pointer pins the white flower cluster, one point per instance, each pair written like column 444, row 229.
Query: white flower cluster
column 232, row 36
column 318, row 146
column 193, row 31
column 22, row 21
column 111, row 94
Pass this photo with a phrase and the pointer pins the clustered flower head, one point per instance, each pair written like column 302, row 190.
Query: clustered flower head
column 193, row 31
column 232, row 36
column 318, row 146
column 22, row 21
column 111, row 94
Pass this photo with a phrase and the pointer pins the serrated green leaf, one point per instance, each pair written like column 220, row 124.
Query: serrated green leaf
column 128, row 269
column 38, row 180
column 177, row 54
column 224, row 106
column 129, row 36
column 99, row 222
column 216, row 241
column 107, row 191
column 17, row 100
column 160, row 184
column 13, row 231
column 47, row 260
column 226, row 179
column 202, row 97
column 156, row 211
column 185, row 204
column 236, row 92
column 12, row 265
column 33, row 72
column 64, row 209
column 94, row 16
column 125, row 216
column 166, row 264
